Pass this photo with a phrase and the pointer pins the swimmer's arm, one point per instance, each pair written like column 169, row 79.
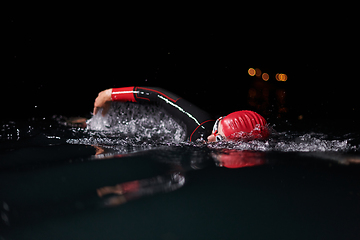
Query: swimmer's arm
column 103, row 101
column 180, row 109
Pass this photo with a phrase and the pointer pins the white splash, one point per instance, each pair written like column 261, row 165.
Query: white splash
column 289, row 142
column 134, row 123
column 130, row 127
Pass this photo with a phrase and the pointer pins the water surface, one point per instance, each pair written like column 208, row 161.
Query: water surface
column 131, row 175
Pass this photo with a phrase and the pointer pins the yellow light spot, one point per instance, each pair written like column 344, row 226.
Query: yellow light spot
column 281, row 77
column 265, row 76
column 251, row 72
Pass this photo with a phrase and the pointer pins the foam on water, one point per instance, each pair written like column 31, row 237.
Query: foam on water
column 290, row 142
column 131, row 128
column 141, row 121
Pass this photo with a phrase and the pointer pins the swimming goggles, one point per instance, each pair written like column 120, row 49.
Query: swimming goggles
column 218, row 137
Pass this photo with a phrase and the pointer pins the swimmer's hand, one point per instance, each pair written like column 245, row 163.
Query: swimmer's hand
column 103, row 101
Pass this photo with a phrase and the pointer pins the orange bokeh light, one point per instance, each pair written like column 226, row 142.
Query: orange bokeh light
column 265, row 76
column 281, row 77
column 251, row 72
column 258, row 72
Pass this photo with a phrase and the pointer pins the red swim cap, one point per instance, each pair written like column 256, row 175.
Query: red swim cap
column 244, row 125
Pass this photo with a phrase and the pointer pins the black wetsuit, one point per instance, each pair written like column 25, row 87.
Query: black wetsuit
column 197, row 123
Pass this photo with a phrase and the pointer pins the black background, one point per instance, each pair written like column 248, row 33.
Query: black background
column 57, row 61
column 58, row 58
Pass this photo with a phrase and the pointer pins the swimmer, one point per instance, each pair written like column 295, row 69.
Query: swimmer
column 198, row 124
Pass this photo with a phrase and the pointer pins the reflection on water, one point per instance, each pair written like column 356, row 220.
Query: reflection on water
column 232, row 158
column 179, row 159
column 188, row 156
column 124, row 192
column 50, row 145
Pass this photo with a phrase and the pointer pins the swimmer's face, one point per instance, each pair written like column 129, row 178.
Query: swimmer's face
column 212, row 137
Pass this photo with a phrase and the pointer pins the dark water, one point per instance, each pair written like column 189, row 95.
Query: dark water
column 131, row 175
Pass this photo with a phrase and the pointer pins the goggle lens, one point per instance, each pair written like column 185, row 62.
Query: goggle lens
column 215, row 130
